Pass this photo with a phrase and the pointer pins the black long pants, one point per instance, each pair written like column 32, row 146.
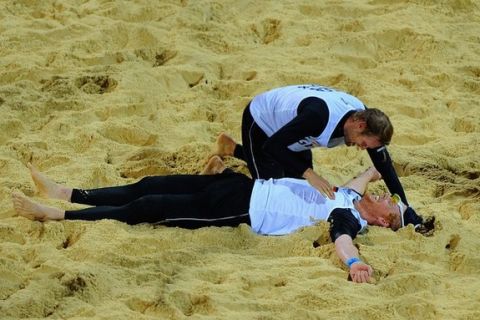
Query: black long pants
column 187, row 201
column 260, row 164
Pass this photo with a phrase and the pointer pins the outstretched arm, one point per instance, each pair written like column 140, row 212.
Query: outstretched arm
column 343, row 229
column 348, row 253
column 360, row 182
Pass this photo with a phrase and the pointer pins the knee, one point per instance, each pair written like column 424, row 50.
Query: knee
column 145, row 203
column 144, row 209
column 147, row 182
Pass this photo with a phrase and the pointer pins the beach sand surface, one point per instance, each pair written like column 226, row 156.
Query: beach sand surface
column 99, row 93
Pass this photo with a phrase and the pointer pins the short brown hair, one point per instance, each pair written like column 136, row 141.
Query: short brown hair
column 378, row 124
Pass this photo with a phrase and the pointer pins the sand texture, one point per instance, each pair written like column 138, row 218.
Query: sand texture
column 98, row 93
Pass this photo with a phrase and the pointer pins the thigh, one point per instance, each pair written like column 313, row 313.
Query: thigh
column 229, row 201
column 260, row 164
column 191, row 212
column 176, row 184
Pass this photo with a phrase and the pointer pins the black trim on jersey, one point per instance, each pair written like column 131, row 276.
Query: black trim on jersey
column 361, row 195
column 342, row 221
column 338, row 132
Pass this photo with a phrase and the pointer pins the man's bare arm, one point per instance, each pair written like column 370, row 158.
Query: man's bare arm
column 348, row 253
column 360, row 182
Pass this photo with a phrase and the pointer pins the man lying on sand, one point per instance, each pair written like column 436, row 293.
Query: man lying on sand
column 221, row 197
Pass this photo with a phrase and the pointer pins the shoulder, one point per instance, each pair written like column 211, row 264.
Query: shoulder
column 314, row 106
column 343, row 221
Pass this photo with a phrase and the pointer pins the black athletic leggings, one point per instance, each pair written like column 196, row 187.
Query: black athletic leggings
column 187, row 201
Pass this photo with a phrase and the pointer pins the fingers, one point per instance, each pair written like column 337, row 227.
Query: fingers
column 326, row 189
column 360, row 276
column 361, row 273
column 319, row 183
column 327, row 192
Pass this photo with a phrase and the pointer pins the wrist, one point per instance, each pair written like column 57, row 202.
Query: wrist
column 308, row 173
column 369, row 173
column 351, row 261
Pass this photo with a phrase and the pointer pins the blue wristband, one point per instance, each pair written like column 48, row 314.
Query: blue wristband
column 351, row 261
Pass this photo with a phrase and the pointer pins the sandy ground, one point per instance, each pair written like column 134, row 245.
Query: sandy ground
column 100, row 92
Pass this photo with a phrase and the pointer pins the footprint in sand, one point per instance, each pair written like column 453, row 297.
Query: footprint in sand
column 98, row 84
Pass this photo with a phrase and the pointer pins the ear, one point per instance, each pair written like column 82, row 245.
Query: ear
column 383, row 222
column 361, row 124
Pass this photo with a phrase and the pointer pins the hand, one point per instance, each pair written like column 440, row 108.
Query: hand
column 360, row 272
column 319, row 183
column 373, row 174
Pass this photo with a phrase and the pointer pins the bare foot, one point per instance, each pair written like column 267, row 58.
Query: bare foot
column 225, row 145
column 215, row 165
column 48, row 188
column 35, row 211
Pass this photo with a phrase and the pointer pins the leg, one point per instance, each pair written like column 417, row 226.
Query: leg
column 223, row 203
column 148, row 209
column 155, row 185
column 152, row 208
column 260, row 164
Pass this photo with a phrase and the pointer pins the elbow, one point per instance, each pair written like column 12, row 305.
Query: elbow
column 341, row 238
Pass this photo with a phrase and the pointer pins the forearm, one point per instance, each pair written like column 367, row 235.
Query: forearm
column 359, row 271
column 383, row 163
column 360, row 182
column 345, row 248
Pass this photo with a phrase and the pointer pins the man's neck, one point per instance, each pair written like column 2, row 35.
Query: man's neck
column 340, row 128
column 359, row 205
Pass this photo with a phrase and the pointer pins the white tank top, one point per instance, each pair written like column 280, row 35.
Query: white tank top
column 273, row 109
column 281, row 206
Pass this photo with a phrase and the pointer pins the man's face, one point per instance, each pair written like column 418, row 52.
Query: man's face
column 354, row 137
column 379, row 209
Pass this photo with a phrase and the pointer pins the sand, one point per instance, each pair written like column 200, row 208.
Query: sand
column 98, row 93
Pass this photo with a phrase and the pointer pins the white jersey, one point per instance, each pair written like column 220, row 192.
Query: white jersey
column 273, row 109
column 281, row 206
